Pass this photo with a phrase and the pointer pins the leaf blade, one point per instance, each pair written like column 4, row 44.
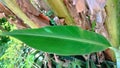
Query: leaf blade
column 62, row 40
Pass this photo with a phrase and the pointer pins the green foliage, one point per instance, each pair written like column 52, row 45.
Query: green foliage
column 11, row 56
column 4, row 40
column 93, row 25
column 10, row 49
column 29, row 61
column 62, row 40
column 49, row 13
column 5, row 26
column 3, row 20
column 6, row 45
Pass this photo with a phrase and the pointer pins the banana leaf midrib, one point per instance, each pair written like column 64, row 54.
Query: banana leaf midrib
column 59, row 37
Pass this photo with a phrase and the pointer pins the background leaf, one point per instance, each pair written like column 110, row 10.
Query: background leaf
column 62, row 40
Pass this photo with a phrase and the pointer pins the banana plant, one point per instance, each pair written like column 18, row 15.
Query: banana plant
column 68, row 40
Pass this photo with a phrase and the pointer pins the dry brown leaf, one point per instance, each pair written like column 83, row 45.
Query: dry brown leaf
column 78, row 11
column 110, row 55
column 2, row 15
column 97, row 12
column 95, row 6
column 80, row 6
column 33, row 13
column 71, row 8
column 101, row 3
column 40, row 4
column 4, row 10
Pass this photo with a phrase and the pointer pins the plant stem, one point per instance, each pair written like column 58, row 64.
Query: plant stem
column 113, row 26
column 117, row 54
column 60, row 10
column 13, row 6
column 112, row 21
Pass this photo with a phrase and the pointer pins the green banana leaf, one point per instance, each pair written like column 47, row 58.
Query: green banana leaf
column 62, row 40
